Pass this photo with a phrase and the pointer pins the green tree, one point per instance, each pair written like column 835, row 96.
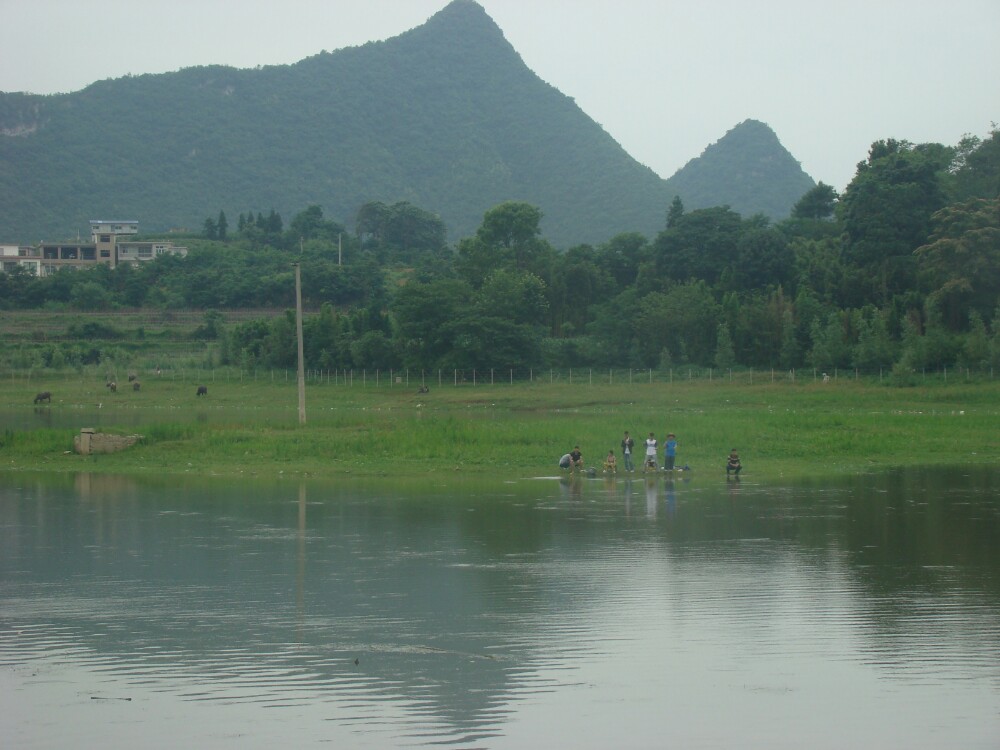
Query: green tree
column 886, row 212
column 423, row 317
column 818, row 203
column 675, row 212
column 683, row 320
column 210, row 229
column 373, row 351
column 977, row 167
column 725, row 356
column 309, row 224
column 975, row 353
column 90, row 295
column 620, row 257
column 518, row 296
column 791, row 352
column 509, row 237
column 962, row 260
column 830, row 345
column 765, row 258
column 222, row 226
column 700, row 245
column 875, row 349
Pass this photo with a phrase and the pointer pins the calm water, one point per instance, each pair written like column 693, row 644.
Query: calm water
column 532, row 613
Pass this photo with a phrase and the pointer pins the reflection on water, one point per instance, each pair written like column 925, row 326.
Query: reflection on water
column 606, row 612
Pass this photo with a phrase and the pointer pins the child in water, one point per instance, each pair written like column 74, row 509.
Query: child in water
column 733, row 463
column 611, row 463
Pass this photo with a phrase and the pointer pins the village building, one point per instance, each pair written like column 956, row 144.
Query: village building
column 109, row 245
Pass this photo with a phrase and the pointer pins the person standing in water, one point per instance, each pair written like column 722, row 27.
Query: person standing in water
column 650, row 453
column 670, row 452
column 628, row 445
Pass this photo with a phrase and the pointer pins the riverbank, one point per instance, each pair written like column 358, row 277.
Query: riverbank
column 251, row 428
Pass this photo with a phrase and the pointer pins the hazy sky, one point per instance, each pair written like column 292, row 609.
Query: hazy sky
column 664, row 78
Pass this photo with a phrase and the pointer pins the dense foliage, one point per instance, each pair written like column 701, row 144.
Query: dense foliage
column 900, row 273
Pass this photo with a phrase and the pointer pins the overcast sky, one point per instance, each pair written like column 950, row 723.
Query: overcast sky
column 664, row 78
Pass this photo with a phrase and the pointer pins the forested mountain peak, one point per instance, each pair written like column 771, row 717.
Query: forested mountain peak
column 732, row 170
column 445, row 116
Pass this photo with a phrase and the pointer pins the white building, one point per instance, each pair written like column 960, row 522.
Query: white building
column 106, row 247
column 12, row 256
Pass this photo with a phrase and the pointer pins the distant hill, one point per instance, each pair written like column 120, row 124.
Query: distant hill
column 446, row 116
column 747, row 169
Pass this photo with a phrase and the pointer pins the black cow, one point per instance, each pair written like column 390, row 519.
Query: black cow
column 136, row 385
column 43, row 396
column 202, row 390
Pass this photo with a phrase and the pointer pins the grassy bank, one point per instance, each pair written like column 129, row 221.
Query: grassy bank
column 251, row 428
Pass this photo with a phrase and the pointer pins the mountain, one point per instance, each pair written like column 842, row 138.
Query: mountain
column 446, row 116
column 735, row 171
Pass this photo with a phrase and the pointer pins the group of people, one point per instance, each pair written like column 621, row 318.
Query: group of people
column 652, row 445
column 574, row 459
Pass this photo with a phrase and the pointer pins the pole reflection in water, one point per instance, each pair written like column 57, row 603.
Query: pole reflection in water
column 502, row 614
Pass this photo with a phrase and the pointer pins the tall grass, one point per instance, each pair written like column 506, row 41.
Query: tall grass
column 251, row 427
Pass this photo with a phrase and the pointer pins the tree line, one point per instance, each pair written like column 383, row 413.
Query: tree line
column 900, row 272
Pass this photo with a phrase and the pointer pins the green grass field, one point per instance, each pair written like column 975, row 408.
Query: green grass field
column 250, row 427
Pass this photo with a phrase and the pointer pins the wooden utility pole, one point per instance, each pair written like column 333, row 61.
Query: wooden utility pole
column 298, row 334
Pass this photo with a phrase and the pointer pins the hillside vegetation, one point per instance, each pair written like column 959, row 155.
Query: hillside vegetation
column 898, row 276
column 446, row 116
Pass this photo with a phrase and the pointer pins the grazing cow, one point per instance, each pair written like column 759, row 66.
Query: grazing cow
column 136, row 385
column 202, row 390
column 131, row 377
column 423, row 389
column 112, row 386
column 43, row 396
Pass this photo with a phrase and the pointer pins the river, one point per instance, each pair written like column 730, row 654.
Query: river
column 533, row 612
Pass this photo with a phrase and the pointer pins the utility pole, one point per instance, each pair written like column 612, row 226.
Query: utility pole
column 298, row 333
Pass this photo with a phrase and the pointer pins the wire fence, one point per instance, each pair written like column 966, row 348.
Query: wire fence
column 471, row 378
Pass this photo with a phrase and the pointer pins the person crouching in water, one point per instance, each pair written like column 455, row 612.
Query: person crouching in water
column 733, row 464
column 611, row 463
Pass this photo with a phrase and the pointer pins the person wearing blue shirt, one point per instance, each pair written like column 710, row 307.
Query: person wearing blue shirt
column 670, row 452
